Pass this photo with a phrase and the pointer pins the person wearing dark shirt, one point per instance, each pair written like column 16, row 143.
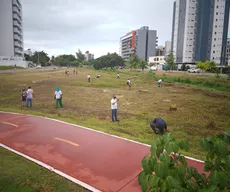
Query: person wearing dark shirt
column 158, row 125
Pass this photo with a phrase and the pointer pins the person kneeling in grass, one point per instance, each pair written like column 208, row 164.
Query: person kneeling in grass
column 58, row 97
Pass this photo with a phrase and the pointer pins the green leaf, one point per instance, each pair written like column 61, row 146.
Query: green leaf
column 227, row 133
column 161, row 170
column 152, row 161
column 163, row 186
column 181, row 170
column 214, row 178
column 145, row 165
column 190, row 173
column 195, row 174
column 143, row 181
column 217, row 164
column 221, row 147
column 223, row 180
column 208, row 166
column 172, row 182
column 172, row 147
column 154, row 181
column 153, row 190
column 168, row 137
column 182, row 160
column 165, row 157
column 160, row 149
column 153, row 149
column 184, row 145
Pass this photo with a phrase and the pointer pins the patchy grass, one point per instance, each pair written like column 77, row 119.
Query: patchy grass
column 19, row 174
column 9, row 67
column 199, row 112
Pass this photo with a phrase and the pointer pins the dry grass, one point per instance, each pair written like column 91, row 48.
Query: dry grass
column 199, row 112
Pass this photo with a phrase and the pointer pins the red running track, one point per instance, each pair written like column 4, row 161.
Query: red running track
column 105, row 162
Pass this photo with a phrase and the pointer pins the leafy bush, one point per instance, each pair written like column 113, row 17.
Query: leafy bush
column 166, row 170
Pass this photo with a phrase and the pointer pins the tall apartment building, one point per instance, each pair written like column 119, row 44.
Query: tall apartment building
column 199, row 30
column 88, row 56
column 11, row 33
column 167, row 48
column 228, row 52
column 141, row 42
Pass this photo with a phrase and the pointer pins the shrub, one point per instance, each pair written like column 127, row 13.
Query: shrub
column 166, row 170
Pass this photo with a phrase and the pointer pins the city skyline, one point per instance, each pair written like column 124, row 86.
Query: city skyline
column 55, row 27
column 51, row 31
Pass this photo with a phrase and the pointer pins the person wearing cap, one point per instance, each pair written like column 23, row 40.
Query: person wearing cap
column 58, row 97
column 158, row 125
column 114, row 101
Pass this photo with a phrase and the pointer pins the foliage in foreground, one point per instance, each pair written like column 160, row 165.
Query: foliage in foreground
column 166, row 170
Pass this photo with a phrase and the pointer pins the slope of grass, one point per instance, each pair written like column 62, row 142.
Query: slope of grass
column 200, row 112
column 21, row 175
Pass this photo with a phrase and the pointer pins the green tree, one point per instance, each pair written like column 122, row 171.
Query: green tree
column 40, row 58
column 166, row 170
column 52, row 59
column 201, row 65
column 108, row 61
column 75, row 63
column 170, row 61
column 143, row 65
column 133, row 62
column 27, row 57
column 80, row 56
column 65, row 60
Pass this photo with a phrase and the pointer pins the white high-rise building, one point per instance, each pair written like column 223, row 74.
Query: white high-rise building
column 167, row 48
column 199, row 30
column 11, row 33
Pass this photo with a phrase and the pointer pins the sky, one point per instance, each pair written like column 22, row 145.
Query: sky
column 64, row 26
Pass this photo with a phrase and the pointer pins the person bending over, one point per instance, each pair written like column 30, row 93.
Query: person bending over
column 158, row 125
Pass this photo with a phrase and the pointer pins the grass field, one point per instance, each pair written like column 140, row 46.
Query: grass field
column 200, row 112
column 21, row 175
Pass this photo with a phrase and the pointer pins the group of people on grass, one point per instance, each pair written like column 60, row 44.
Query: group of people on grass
column 158, row 125
column 28, row 95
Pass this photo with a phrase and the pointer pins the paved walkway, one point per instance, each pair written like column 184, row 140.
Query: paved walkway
column 105, row 162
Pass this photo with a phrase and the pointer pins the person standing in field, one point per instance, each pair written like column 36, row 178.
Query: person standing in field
column 159, row 82
column 88, row 77
column 114, row 101
column 128, row 82
column 29, row 97
column 58, row 97
column 118, row 75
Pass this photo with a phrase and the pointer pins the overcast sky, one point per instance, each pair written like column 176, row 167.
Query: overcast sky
column 63, row 26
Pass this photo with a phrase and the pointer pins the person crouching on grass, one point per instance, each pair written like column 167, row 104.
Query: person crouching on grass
column 58, row 97
column 158, row 126
column 114, row 101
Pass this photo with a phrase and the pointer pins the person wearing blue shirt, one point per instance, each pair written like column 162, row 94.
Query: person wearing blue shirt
column 158, row 125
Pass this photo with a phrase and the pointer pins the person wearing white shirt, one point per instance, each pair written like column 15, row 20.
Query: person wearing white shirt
column 159, row 82
column 29, row 97
column 128, row 82
column 58, row 97
column 114, row 108
column 88, row 77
